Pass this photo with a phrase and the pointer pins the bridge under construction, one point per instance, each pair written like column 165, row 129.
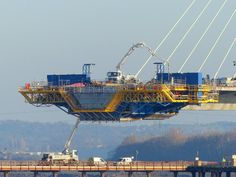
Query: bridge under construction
column 123, row 97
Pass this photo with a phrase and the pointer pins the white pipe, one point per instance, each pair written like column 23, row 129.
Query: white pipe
column 167, row 35
column 230, row 48
column 203, row 35
column 216, row 42
column 189, row 30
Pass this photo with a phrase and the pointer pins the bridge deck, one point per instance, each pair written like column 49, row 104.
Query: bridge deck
column 212, row 107
column 86, row 167
column 215, row 168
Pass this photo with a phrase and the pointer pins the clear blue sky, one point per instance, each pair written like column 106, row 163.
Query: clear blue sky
column 57, row 36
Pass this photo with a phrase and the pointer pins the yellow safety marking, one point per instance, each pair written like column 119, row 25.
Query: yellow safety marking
column 111, row 107
column 68, row 99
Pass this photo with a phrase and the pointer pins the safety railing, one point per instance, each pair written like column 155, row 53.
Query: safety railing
column 174, row 93
column 107, row 88
column 90, row 166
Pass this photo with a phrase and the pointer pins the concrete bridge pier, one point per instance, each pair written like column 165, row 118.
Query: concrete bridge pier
column 83, row 174
column 228, row 174
column 54, row 174
column 218, row 174
column 36, row 174
column 102, row 174
column 201, row 174
column 193, row 174
column 175, row 173
column 130, row 174
column 213, row 174
column 6, row 173
column 149, row 173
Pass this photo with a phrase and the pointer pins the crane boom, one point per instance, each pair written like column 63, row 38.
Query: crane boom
column 130, row 51
column 118, row 76
column 68, row 143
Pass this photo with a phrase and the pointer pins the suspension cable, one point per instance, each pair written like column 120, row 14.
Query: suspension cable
column 189, row 30
column 230, row 48
column 217, row 40
column 167, row 35
column 203, row 35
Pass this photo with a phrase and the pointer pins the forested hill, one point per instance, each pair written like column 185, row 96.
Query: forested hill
column 105, row 139
column 178, row 146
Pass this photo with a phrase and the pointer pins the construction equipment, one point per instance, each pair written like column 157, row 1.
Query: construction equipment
column 68, row 143
column 67, row 155
column 59, row 157
column 118, row 76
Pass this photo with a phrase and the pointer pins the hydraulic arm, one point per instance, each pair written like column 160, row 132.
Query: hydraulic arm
column 131, row 50
column 68, row 143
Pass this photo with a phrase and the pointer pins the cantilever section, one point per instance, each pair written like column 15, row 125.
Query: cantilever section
column 116, row 102
column 107, row 100
column 41, row 95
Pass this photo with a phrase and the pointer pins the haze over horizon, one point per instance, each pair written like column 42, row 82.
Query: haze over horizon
column 46, row 37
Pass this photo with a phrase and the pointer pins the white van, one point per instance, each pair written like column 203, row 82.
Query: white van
column 97, row 161
column 125, row 161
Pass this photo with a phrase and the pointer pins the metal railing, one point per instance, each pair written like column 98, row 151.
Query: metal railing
column 88, row 166
column 175, row 93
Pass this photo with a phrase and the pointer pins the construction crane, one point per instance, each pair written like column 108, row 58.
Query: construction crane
column 68, row 143
column 66, row 155
column 118, row 76
column 131, row 50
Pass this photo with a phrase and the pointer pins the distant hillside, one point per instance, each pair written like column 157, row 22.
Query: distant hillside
column 93, row 139
column 177, row 146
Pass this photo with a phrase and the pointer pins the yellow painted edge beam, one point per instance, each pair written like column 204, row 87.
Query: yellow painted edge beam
column 39, row 91
column 64, row 94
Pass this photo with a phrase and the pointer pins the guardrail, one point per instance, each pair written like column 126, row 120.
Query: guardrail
column 88, row 166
